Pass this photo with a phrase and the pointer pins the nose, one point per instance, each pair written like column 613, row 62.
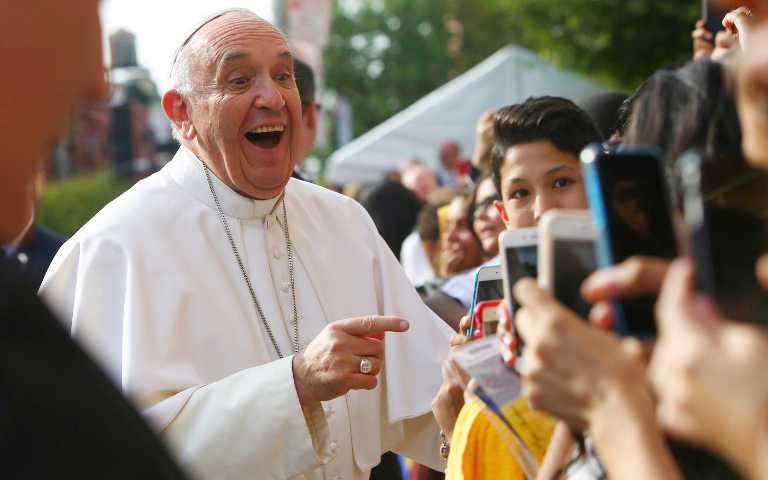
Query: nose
column 268, row 96
column 544, row 201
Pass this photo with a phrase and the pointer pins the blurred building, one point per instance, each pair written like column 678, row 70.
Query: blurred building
column 125, row 133
column 122, row 47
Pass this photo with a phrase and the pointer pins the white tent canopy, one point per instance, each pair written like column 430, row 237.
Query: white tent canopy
column 449, row 113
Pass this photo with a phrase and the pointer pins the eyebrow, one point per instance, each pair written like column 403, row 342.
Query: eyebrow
column 552, row 170
column 240, row 55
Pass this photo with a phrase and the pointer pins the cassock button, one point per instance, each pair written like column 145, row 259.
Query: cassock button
column 284, row 286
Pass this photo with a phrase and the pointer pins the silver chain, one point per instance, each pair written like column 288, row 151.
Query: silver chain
column 291, row 274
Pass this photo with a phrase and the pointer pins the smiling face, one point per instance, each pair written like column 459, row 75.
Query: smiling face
column 243, row 111
column 460, row 248
column 487, row 222
column 536, row 177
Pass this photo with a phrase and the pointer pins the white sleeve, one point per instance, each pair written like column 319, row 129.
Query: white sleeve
column 248, row 425
column 422, row 442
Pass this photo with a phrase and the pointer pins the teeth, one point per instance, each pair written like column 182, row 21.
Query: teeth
column 268, row 129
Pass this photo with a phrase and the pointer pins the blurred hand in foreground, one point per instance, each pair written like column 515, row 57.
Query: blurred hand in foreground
column 709, row 374
column 703, row 41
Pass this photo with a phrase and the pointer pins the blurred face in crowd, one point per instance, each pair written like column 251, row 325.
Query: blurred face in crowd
column 449, row 153
column 536, row 177
column 52, row 57
column 243, row 114
column 420, row 180
column 487, row 222
column 460, row 247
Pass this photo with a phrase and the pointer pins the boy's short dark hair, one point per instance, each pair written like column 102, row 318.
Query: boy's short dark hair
column 555, row 119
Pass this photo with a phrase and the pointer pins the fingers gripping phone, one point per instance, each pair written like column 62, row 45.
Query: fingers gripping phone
column 488, row 286
column 567, row 255
column 629, row 200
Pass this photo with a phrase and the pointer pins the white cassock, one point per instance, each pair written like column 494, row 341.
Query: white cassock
column 150, row 285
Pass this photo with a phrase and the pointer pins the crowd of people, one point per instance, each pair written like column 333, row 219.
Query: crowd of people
column 268, row 327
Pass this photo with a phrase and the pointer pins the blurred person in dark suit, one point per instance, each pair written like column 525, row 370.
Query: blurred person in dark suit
column 34, row 245
column 305, row 83
column 59, row 415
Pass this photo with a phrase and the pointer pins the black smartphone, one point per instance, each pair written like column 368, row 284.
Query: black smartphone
column 519, row 259
column 629, row 199
column 712, row 14
column 725, row 245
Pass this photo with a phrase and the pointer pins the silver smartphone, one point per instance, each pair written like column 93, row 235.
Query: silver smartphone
column 567, row 255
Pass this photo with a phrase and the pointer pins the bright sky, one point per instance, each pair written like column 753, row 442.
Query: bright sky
column 161, row 25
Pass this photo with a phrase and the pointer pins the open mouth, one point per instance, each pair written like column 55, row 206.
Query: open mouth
column 267, row 136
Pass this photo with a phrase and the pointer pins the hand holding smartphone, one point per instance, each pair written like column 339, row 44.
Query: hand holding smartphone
column 488, row 286
column 629, row 200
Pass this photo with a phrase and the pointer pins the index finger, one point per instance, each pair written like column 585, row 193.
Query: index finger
column 372, row 324
column 637, row 276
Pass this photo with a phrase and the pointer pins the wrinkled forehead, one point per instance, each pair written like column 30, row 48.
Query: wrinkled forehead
column 229, row 33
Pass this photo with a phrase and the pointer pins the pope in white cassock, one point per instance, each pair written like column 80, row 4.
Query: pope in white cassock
column 243, row 311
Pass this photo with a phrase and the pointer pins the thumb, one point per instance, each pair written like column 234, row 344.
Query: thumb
column 675, row 294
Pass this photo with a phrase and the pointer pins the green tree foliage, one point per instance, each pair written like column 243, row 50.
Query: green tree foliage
column 385, row 54
column 67, row 204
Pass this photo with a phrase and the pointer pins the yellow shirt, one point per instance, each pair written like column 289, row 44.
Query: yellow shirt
column 478, row 450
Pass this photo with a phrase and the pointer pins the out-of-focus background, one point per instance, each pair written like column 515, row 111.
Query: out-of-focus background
column 396, row 79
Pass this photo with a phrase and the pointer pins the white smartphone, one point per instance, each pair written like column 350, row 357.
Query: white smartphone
column 519, row 258
column 488, row 286
column 567, row 255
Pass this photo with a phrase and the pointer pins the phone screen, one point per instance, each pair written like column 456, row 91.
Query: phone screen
column 521, row 262
column 638, row 223
column 574, row 261
column 488, row 290
column 733, row 283
column 712, row 15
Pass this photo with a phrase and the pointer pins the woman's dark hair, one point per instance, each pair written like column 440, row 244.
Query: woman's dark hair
column 686, row 107
column 556, row 119
column 393, row 209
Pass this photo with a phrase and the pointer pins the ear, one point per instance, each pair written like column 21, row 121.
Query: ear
column 309, row 117
column 502, row 212
column 176, row 111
